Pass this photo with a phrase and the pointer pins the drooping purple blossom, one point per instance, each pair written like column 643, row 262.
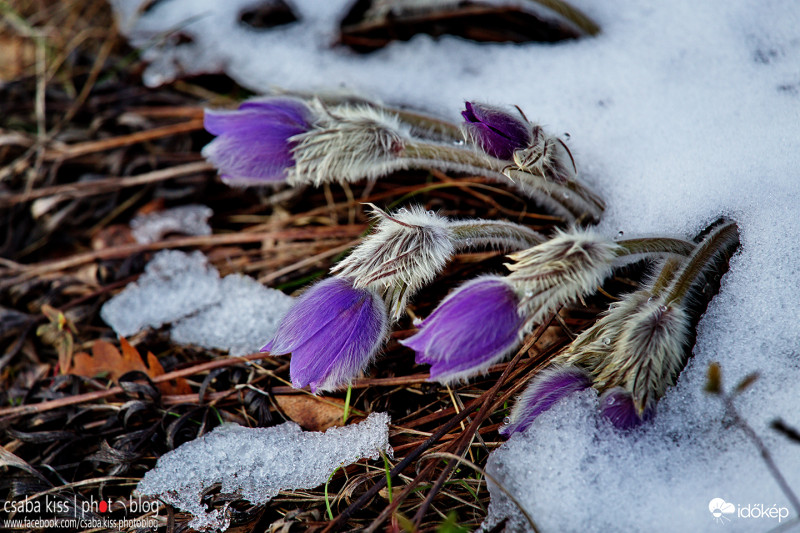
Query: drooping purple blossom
column 253, row 143
column 333, row 332
column 475, row 326
column 618, row 407
column 495, row 131
column 547, row 388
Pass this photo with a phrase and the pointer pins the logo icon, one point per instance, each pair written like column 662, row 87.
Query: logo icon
column 719, row 508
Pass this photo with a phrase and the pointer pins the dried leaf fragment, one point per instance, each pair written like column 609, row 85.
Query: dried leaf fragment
column 106, row 360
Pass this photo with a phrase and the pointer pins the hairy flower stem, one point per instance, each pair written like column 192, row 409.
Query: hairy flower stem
column 427, row 123
column 654, row 245
column 572, row 14
column 666, row 275
column 571, row 200
column 493, row 233
column 722, row 241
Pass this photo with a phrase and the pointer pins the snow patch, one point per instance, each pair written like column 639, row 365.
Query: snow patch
column 185, row 220
column 235, row 313
column 256, row 463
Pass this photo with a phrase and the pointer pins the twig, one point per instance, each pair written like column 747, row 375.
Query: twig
column 488, row 405
column 91, row 147
column 119, row 252
column 90, row 188
column 446, row 455
column 12, row 412
column 402, row 465
column 730, row 410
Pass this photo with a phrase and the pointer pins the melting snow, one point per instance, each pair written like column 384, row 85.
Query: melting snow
column 256, row 463
column 235, row 313
column 185, row 219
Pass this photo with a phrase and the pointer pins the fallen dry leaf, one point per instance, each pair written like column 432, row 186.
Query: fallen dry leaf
column 311, row 413
column 106, row 359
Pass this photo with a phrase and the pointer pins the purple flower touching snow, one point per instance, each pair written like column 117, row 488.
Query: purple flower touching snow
column 475, row 326
column 548, row 387
column 617, row 405
column 253, row 143
column 495, row 131
column 333, row 331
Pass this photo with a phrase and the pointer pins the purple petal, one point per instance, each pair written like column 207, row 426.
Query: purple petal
column 495, row 131
column 547, row 388
column 253, row 143
column 472, row 328
column 333, row 331
column 617, row 405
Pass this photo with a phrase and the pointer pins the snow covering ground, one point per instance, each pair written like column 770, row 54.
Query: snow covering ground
column 679, row 112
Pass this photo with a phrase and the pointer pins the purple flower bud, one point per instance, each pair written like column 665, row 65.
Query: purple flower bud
column 617, row 405
column 475, row 326
column 253, row 143
column 333, row 331
column 495, row 131
column 548, row 387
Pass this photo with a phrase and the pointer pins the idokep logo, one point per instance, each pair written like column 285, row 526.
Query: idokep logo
column 719, row 508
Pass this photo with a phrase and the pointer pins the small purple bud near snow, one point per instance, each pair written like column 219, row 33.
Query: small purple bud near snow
column 547, row 388
column 618, row 407
column 474, row 327
column 495, row 131
column 253, row 143
column 333, row 332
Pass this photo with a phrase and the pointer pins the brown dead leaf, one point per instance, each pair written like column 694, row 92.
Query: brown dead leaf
column 310, row 412
column 107, row 360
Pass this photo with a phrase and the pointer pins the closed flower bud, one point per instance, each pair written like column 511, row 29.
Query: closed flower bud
column 495, row 131
column 404, row 253
column 253, row 144
column 474, row 327
column 333, row 332
column 571, row 265
column 547, row 388
column 349, row 143
column 618, row 407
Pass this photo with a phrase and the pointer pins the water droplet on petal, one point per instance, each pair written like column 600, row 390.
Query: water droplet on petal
column 663, row 308
column 459, row 143
column 528, row 293
column 620, row 233
column 606, row 341
column 649, row 300
column 611, row 400
column 468, row 242
column 567, row 136
column 506, row 420
column 566, row 196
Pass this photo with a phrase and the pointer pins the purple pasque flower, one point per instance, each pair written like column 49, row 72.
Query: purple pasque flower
column 333, row 331
column 495, row 131
column 547, row 388
column 253, row 143
column 618, row 407
column 475, row 326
